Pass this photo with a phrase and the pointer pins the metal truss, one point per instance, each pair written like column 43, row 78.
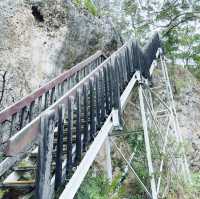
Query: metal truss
column 161, row 133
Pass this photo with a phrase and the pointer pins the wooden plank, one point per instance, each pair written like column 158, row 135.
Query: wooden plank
column 52, row 97
column 92, row 115
column 102, row 117
column 22, row 117
column 119, row 72
column 46, row 100
column 59, row 147
column 110, row 84
column 69, row 136
column 31, row 111
column 128, row 63
column 116, row 94
column 85, row 128
column 40, row 104
column 43, row 179
column 21, row 184
column 105, row 75
column 117, row 121
column 78, row 128
column 125, row 69
column 121, row 69
column 96, row 80
column 13, row 128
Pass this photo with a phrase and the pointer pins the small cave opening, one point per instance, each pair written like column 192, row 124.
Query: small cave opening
column 37, row 14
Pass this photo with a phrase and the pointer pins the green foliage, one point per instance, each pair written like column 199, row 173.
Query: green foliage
column 135, row 141
column 179, row 188
column 168, row 11
column 89, row 5
column 130, row 7
column 77, row 2
column 3, row 192
column 176, row 20
column 115, row 183
column 94, row 187
column 195, row 72
column 98, row 187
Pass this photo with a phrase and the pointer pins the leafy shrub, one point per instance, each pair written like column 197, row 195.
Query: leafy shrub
column 89, row 5
column 77, row 2
column 94, row 187
column 195, row 72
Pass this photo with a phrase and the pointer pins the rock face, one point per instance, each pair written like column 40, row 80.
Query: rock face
column 188, row 102
column 40, row 38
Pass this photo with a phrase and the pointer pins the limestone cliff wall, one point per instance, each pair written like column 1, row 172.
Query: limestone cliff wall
column 40, row 38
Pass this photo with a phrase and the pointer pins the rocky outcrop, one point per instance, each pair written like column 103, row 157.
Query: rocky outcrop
column 188, row 104
column 40, row 38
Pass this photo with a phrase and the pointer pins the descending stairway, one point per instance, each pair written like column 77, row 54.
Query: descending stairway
column 56, row 132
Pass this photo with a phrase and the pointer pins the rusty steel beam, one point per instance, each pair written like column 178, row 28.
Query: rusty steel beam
column 17, row 107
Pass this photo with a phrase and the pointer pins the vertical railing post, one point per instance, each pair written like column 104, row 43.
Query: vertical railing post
column 127, row 61
column 118, row 68
column 13, row 125
column 78, row 128
column 105, row 71
column 116, row 113
column 70, row 108
column 110, row 85
column 22, row 117
column 46, row 100
column 102, row 96
column 31, row 111
column 59, row 152
column 43, row 179
column 98, row 94
column 92, row 115
column 124, row 64
column 52, row 97
column 85, row 125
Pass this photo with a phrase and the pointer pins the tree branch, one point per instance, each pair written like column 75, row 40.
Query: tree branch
column 3, row 86
column 177, row 24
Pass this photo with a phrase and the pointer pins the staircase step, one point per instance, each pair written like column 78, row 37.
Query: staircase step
column 22, row 184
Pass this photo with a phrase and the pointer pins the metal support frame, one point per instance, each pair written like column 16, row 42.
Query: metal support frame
column 108, row 159
column 147, row 143
column 184, row 162
column 132, row 170
column 166, row 127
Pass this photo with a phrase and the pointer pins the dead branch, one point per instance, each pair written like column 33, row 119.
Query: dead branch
column 3, row 86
